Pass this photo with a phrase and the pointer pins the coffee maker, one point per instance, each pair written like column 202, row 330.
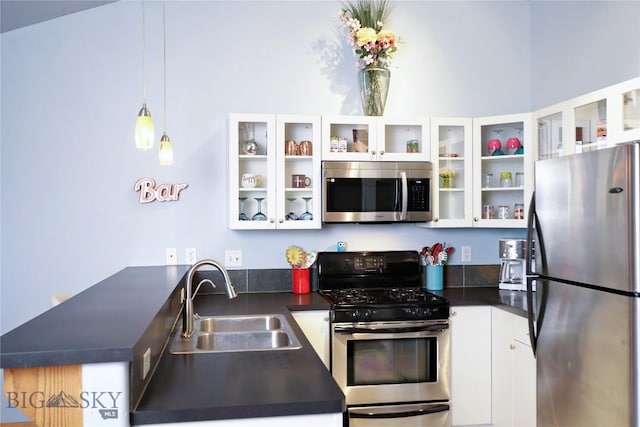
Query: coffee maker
column 512, row 253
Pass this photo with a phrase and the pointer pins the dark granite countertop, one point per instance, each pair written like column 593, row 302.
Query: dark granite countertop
column 101, row 324
column 214, row 386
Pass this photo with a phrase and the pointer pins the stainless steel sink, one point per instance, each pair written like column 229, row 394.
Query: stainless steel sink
column 237, row 333
column 268, row 322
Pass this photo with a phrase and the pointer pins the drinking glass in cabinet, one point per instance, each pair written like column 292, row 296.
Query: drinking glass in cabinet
column 243, row 216
column 259, row 216
column 307, row 215
column 291, row 216
column 506, row 179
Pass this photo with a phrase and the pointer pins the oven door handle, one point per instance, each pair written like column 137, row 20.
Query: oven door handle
column 431, row 409
column 365, row 330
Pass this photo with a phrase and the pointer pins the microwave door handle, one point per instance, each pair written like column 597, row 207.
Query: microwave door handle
column 405, row 195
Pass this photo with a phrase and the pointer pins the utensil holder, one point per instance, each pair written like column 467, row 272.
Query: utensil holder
column 300, row 280
column 434, row 277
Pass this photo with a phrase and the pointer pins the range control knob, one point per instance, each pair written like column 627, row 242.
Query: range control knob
column 366, row 314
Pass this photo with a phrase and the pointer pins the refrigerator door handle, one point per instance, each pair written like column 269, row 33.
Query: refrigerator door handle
column 531, row 275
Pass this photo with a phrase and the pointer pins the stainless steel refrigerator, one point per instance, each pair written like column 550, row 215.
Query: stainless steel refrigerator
column 585, row 321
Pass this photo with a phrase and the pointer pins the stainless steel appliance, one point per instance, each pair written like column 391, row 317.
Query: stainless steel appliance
column 585, row 329
column 390, row 341
column 512, row 264
column 376, row 191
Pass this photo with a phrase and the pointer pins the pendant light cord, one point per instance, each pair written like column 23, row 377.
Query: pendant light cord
column 164, row 59
column 144, row 65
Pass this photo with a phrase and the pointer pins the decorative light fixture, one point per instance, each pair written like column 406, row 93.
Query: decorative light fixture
column 144, row 124
column 165, row 154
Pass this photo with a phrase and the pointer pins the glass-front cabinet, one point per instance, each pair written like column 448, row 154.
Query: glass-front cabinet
column 589, row 122
column 364, row 138
column 274, row 172
column 550, row 134
column 451, row 154
column 502, row 170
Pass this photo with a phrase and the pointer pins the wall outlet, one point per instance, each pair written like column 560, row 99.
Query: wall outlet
column 233, row 258
column 172, row 256
column 190, row 256
column 466, row 254
column 146, row 362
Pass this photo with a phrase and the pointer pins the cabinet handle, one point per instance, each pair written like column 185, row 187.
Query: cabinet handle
column 373, row 152
column 476, row 219
column 381, row 152
column 280, row 220
column 512, row 347
column 435, row 220
column 271, row 220
column 454, row 313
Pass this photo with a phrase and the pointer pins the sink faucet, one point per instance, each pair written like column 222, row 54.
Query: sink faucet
column 187, row 315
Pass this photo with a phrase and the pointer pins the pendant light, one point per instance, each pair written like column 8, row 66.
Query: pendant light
column 165, row 154
column 144, row 124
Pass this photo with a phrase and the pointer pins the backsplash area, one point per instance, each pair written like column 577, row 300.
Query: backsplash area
column 279, row 279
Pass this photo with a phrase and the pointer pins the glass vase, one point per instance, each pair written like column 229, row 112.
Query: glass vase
column 374, row 87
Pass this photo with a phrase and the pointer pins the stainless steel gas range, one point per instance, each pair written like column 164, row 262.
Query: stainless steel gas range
column 390, row 340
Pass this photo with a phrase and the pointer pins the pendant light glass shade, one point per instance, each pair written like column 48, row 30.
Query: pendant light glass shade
column 165, row 154
column 145, row 132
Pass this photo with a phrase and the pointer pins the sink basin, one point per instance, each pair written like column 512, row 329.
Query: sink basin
column 236, row 341
column 240, row 323
column 216, row 334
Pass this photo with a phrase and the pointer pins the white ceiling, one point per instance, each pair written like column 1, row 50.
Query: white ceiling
column 20, row 13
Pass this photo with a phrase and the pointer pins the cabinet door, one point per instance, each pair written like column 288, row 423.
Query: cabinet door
column 471, row 365
column 524, row 375
column 315, row 325
column 349, row 138
column 513, row 371
column 402, row 140
column 451, row 154
column 252, row 171
column 501, row 367
column 298, row 169
column 503, row 170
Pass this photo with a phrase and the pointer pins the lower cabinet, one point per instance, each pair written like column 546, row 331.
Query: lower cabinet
column 513, row 371
column 470, row 365
column 315, row 325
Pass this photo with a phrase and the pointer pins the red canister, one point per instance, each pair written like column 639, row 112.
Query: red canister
column 300, row 278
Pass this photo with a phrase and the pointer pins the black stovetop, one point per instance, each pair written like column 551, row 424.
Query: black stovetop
column 377, row 286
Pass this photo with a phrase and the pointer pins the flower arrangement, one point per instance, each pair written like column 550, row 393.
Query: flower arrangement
column 363, row 20
column 447, row 173
column 298, row 258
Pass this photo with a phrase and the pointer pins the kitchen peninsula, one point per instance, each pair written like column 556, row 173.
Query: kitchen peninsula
column 111, row 326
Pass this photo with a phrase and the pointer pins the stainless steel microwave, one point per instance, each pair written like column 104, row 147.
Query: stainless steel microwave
column 376, row 191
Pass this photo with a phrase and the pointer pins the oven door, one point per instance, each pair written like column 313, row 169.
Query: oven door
column 392, row 362
column 413, row 415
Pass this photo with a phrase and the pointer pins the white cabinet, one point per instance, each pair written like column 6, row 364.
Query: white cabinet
column 364, row 138
column 503, row 151
column 610, row 115
column 513, row 371
column 269, row 187
column 451, row 153
column 315, row 325
column 471, row 365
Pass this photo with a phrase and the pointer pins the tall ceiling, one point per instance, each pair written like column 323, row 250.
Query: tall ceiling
column 20, row 13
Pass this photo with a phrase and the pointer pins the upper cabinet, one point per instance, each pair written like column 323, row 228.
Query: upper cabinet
column 502, row 170
column 451, row 153
column 598, row 119
column 364, row 138
column 274, row 172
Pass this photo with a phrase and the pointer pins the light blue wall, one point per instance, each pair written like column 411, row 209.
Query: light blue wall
column 71, row 89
